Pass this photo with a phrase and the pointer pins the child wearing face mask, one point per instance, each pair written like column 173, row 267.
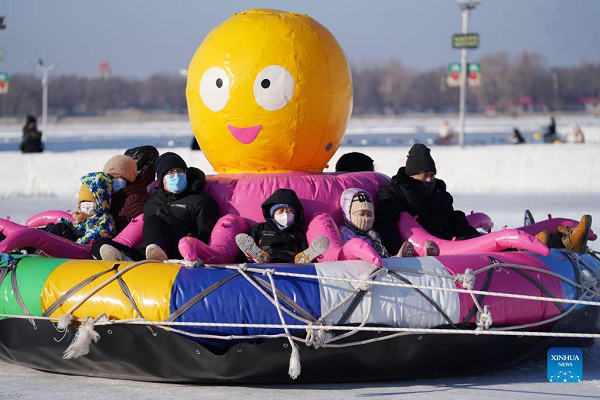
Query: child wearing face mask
column 358, row 210
column 92, row 220
column 280, row 238
column 129, row 192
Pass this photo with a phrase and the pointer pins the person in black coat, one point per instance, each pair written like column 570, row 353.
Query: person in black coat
column 32, row 138
column 415, row 189
column 280, row 238
column 177, row 208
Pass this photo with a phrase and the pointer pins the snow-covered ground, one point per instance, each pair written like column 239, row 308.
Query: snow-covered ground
column 499, row 179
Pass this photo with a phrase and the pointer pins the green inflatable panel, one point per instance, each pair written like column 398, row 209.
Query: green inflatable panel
column 32, row 273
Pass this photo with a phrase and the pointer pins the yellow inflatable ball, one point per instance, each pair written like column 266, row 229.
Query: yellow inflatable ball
column 269, row 91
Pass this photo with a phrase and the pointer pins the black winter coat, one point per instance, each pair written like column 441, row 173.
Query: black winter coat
column 435, row 212
column 284, row 244
column 190, row 212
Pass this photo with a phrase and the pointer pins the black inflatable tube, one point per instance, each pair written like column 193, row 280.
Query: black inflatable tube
column 132, row 352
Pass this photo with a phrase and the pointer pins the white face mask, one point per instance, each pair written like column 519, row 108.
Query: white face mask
column 87, row 207
column 284, row 219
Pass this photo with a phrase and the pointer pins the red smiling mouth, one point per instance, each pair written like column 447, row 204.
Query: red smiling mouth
column 245, row 135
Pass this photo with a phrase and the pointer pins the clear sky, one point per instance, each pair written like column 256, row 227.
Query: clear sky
column 142, row 37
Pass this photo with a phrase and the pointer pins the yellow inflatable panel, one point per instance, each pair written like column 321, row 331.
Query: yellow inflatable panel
column 150, row 285
column 269, row 91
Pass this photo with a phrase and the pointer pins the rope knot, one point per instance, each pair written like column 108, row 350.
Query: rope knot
column 191, row 264
column 467, row 279
column 484, row 319
column 269, row 272
column 366, row 285
column 590, row 282
column 64, row 322
column 243, row 267
column 317, row 337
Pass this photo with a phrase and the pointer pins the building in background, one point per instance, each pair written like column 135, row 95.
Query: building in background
column 103, row 70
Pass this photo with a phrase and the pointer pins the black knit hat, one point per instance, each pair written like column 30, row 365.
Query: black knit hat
column 167, row 162
column 419, row 160
column 354, row 162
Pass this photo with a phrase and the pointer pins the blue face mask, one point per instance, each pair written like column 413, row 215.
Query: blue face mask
column 176, row 183
column 118, row 184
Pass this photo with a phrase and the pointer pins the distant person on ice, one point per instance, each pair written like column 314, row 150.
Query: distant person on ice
column 415, row 189
column 446, row 135
column 32, row 138
column 517, row 138
column 280, row 238
column 550, row 135
column 575, row 134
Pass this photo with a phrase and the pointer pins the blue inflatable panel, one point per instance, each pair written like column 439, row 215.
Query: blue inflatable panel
column 560, row 264
column 237, row 301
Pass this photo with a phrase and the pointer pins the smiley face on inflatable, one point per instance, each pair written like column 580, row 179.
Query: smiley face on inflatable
column 269, row 91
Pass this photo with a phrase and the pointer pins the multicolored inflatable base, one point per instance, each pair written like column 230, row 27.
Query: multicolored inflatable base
column 228, row 294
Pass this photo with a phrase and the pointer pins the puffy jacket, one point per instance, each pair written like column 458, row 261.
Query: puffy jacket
column 190, row 212
column 435, row 212
column 100, row 224
column 128, row 203
column 284, row 244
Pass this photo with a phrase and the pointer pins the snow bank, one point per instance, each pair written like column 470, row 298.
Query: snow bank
column 502, row 169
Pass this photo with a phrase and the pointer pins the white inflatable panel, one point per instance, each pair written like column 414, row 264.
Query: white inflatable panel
column 398, row 307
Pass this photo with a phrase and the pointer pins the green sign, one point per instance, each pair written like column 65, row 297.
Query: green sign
column 3, row 82
column 454, row 75
column 465, row 41
column 474, row 74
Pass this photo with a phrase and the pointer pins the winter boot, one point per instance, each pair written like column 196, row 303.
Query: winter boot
column 528, row 218
column 575, row 238
column 318, row 246
column 431, row 248
column 251, row 250
column 108, row 252
column 545, row 238
column 406, row 250
column 155, row 253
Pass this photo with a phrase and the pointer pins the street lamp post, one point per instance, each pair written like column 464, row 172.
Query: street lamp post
column 44, row 69
column 465, row 9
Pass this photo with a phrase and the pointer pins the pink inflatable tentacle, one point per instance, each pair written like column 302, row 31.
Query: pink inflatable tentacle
column 221, row 247
column 551, row 225
column 46, row 217
column 192, row 249
column 412, row 231
column 480, row 220
column 133, row 234
column 323, row 224
column 7, row 227
column 358, row 249
column 51, row 245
